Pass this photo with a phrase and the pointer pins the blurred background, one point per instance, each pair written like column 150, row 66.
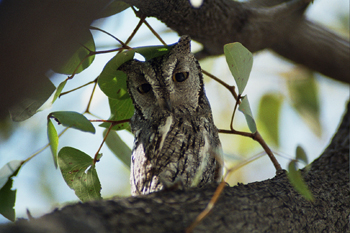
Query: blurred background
column 41, row 188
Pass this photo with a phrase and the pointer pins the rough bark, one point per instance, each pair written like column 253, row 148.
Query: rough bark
column 268, row 206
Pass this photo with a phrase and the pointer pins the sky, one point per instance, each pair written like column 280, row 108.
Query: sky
column 40, row 186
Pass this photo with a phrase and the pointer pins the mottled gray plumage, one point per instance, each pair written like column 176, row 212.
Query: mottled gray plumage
column 175, row 137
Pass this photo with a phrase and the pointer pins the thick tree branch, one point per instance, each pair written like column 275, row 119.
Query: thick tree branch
column 281, row 28
column 309, row 41
column 36, row 36
column 267, row 206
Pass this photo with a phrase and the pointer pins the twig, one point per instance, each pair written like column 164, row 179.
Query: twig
column 91, row 96
column 103, row 141
column 113, row 123
column 154, row 33
column 42, row 149
column 80, row 63
column 257, row 137
column 86, row 84
column 228, row 87
column 218, row 192
column 99, row 29
column 142, row 19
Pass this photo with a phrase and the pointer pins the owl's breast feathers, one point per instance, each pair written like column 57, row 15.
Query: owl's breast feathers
column 176, row 148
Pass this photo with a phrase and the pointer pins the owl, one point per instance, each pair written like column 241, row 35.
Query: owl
column 176, row 141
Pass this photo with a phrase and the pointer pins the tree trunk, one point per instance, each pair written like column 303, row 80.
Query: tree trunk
column 268, row 206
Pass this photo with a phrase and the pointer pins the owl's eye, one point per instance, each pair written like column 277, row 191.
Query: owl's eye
column 144, row 88
column 180, row 77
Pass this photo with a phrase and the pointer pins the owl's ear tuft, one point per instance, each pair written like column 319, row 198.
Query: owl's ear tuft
column 184, row 44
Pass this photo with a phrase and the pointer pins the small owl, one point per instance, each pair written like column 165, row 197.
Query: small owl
column 175, row 137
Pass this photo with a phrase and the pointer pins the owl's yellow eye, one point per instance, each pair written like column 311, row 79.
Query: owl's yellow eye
column 144, row 88
column 180, row 77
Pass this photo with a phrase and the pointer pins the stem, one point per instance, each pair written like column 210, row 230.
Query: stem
column 92, row 94
column 268, row 151
column 218, row 192
column 42, row 149
column 110, row 51
column 228, row 87
column 257, row 137
column 234, row 112
column 81, row 62
column 99, row 29
column 245, row 134
column 111, row 121
column 142, row 19
column 64, row 93
column 209, row 207
column 154, row 32
column 104, row 139
column 36, row 153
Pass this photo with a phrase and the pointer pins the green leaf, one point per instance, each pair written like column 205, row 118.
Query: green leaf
column 30, row 104
column 59, row 90
column 118, row 147
column 8, row 199
column 303, row 92
column 53, row 140
column 114, row 85
column 301, row 155
column 269, row 115
column 297, row 181
column 120, row 110
column 150, row 52
column 113, row 8
column 80, row 60
column 8, row 170
column 8, row 196
column 79, row 173
column 112, row 81
column 240, row 62
column 74, row 120
column 244, row 107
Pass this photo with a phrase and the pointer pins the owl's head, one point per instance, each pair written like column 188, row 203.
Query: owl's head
column 169, row 84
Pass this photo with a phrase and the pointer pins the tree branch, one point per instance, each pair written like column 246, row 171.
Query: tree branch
column 32, row 44
column 267, row 206
column 282, row 28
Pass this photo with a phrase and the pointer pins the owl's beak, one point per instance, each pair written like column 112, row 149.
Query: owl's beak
column 166, row 104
